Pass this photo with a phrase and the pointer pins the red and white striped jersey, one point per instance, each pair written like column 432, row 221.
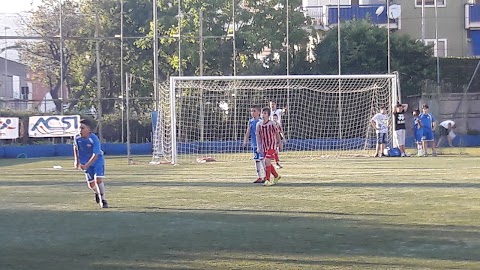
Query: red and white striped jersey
column 267, row 133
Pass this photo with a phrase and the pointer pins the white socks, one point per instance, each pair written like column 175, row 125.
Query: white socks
column 420, row 149
column 259, row 164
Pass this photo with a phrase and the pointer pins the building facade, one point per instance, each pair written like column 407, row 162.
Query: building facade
column 15, row 88
column 453, row 30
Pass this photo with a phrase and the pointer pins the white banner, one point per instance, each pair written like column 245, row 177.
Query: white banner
column 9, row 127
column 54, row 126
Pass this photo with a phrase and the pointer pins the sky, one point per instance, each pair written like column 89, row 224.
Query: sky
column 11, row 24
column 15, row 6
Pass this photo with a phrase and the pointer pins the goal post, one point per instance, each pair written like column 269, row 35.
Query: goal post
column 325, row 115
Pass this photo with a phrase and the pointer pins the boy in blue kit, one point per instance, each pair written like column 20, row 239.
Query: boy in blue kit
column 88, row 156
column 251, row 132
column 428, row 123
column 418, row 132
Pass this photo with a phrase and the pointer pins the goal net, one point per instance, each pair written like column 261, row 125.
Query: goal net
column 205, row 118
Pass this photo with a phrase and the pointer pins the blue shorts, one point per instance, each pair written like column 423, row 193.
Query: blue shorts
column 427, row 135
column 256, row 155
column 94, row 171
column 381, row 138
column 418, row 136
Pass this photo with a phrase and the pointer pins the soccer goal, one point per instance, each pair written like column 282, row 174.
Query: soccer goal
column 205, row 118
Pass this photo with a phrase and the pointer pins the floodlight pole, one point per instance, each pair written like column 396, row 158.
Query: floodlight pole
column 99, row 75
column 202, row 106
column 5, row 61
column 423, row 21
column 179, row 38
column 339, row 47
column 287, row 21
column 388, row 37
column 122, row 83
column 155, row 54
column 436, row 44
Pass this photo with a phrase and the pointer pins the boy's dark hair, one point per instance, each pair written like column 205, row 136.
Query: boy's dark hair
column 383, row 107
column 257, row 107
column 275, row 115
column 425, row 106
column 267, row 110
column 86, row 122
column 416, row 112
column 399, row 105
column 273, row 101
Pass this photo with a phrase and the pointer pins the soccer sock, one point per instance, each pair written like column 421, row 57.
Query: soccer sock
column 420, row 149
column 269, row 170
column 260, row 169
column 101, row 187
column 276, row 158
column 274, row 172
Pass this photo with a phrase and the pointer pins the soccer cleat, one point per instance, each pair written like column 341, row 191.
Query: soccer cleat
column 97, row 198
column 268, row 183
column 434, row 154
column 278, row 166
column 259, row 181
column 104, row 204
column 276, row 179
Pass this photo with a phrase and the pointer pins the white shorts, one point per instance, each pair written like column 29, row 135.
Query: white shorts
column 399, row 137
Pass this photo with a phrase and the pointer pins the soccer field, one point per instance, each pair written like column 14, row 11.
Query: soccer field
column 352, row 213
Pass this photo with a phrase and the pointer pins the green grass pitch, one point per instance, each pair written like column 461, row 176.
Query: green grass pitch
column 349, row 213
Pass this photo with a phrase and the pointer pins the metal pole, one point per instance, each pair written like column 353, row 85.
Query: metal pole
column 234, row 48
column 61, row 61
column 155, row 54
column 200, row 33
column 423, row 21
column 388, row 37
column 6, row 63
column 339, row 47
column 436, row 44
column 121, row 69
column 127, row 103
column 179, row 37
column 234, row 45
column 202, row 109
column 99, row 76
column 287, row 23
column 287, row 37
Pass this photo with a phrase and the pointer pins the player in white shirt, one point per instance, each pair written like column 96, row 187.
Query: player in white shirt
column 446, row 130
column 276, row 111
column 380, row 124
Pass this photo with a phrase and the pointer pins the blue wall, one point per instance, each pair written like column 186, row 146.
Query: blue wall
column 35, row 151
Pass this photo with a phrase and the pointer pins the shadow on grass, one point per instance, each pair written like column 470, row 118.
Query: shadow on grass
column 201, row 240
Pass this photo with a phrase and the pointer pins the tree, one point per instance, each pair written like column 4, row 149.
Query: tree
column 45, row 56
column 364, row 51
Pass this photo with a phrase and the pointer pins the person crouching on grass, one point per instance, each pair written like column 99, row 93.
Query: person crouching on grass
column 88, row 156
column 268, row 139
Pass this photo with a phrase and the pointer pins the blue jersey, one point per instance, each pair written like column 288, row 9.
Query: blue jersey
column 87, row 147
column 427, row 121
column 416, row 125
column 253, row 130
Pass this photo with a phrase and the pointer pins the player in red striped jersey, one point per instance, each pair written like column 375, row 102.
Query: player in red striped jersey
column 268, row 140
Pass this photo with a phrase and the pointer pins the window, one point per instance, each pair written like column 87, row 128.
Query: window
column 25, row 92
column 439, row 49
column 431, row 3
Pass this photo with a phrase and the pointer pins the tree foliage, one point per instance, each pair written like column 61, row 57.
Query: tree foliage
column 364, row 51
